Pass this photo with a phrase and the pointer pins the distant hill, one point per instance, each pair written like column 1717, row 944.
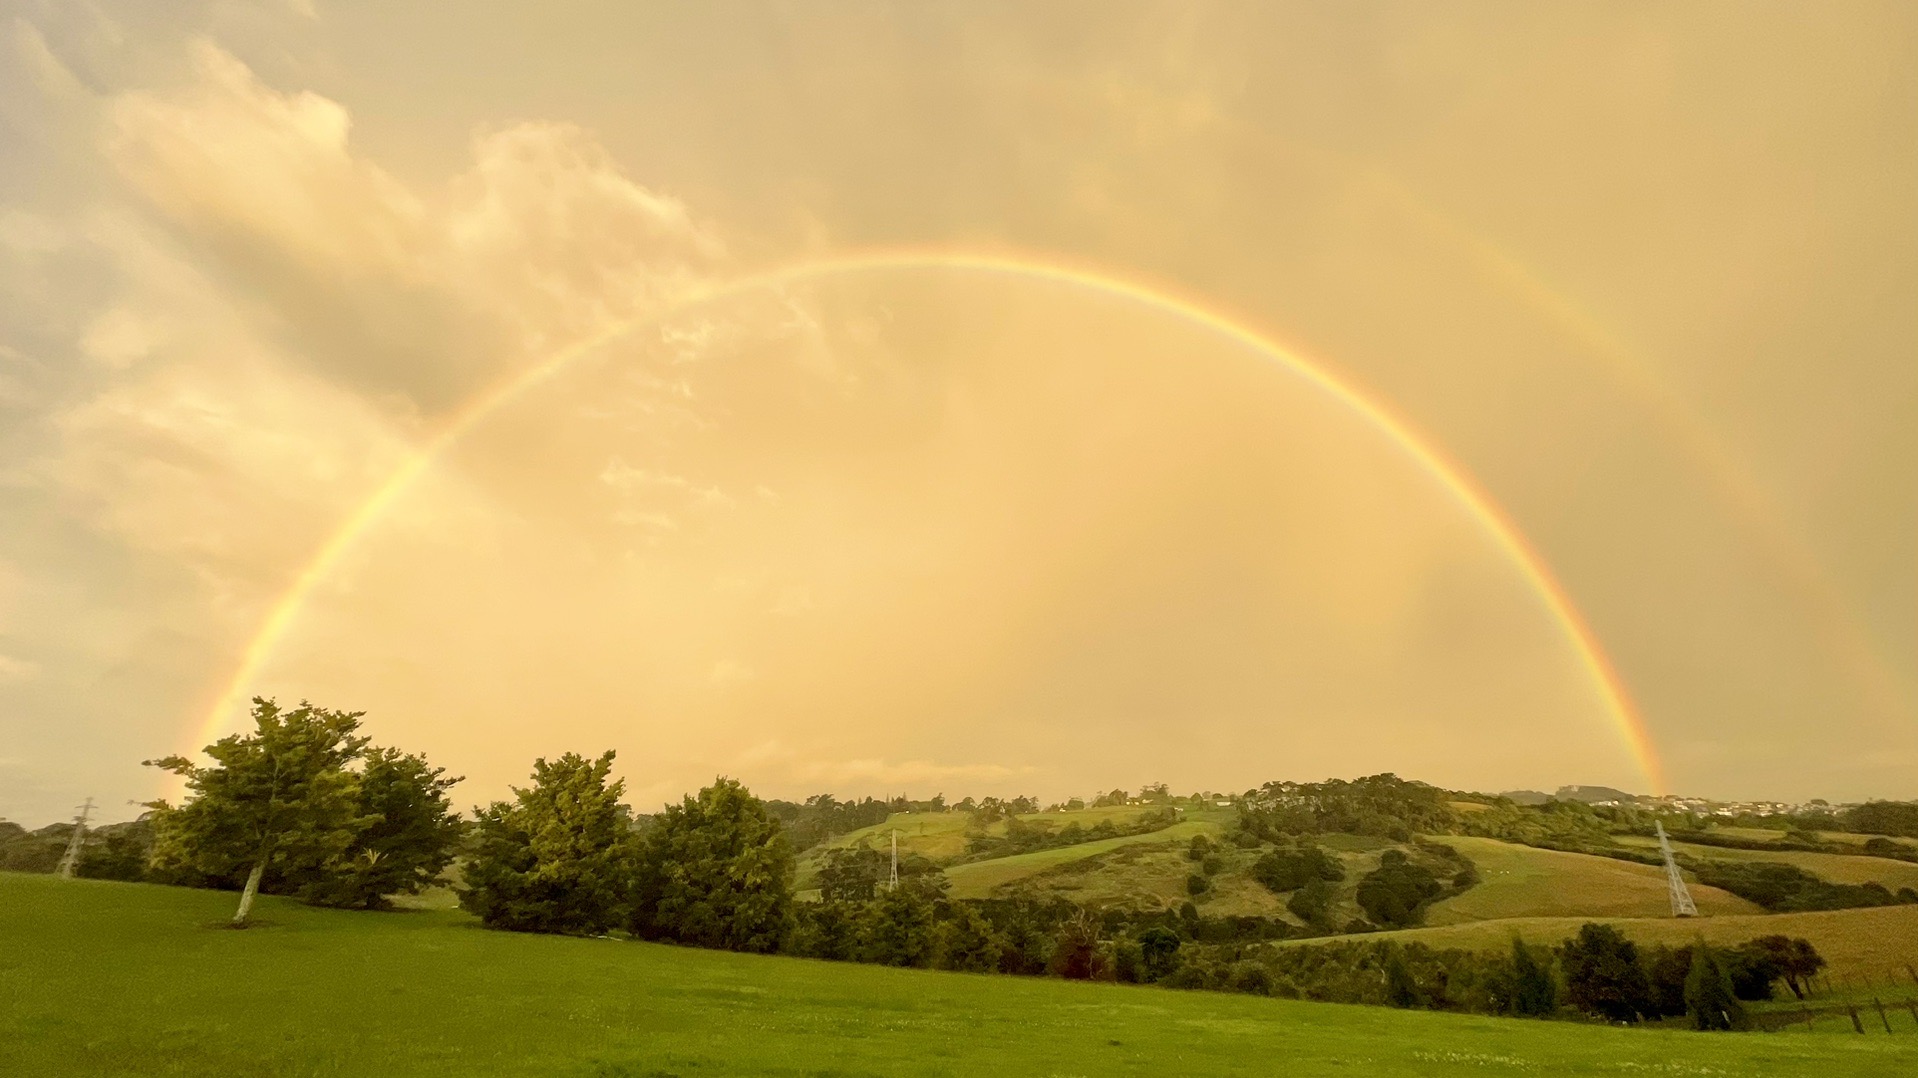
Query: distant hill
column 1587, row 794
column 1592, row 794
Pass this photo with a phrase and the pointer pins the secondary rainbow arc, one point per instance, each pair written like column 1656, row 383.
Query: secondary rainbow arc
column 1453, row 479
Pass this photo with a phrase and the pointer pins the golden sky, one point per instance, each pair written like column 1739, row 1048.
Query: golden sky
column 961, row 517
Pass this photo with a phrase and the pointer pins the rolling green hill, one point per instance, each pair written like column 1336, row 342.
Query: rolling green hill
column 1836, row 867
column 1878, row 941
column 1522, row 881
column 121, row 980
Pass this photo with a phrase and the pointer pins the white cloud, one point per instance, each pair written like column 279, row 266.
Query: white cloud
column 14, row 671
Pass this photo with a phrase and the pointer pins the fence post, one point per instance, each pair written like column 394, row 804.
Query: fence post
column 1914, row 972
column 1912, row 1006
column 1806, row 1012
column 1881, row 1013
column 1856, row 1025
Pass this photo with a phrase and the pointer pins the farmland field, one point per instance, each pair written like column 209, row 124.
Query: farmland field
column 103, row 979
column 1523, row 881
column 1836, row 867
column 1877, row 941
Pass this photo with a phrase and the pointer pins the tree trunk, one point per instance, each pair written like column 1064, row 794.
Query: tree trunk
column 252, row 888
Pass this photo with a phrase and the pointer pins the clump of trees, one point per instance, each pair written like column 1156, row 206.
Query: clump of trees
column 304, row 805
column 558, row 856
column 1382, row 805
column 1781, row 887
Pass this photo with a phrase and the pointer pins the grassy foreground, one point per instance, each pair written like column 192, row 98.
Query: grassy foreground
column 130, row 979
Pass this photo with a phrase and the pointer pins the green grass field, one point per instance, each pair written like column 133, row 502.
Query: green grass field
column 1523, row 881
column 980, row 878
column 1836, row 867
column 123, row 980
column 942, row 836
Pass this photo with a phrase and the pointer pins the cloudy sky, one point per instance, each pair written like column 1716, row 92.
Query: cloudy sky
column 1020, row 503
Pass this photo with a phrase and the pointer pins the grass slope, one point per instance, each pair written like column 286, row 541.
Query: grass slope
column 1523, row 881
column 1836, row 867
column 1877, row 942
column 980, row 878
column 103, row 979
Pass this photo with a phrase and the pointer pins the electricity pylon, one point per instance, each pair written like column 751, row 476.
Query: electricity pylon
column 893, row 883
column 71, row 859
column 1682, row 905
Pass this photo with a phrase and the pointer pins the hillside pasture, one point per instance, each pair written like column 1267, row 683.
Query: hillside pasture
column 1878, row 942
column 109, row 980
column 1523, row 881
column 979, row 879
column 1833, row 867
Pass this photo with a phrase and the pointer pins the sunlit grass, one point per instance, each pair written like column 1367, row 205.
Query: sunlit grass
column 103, row 979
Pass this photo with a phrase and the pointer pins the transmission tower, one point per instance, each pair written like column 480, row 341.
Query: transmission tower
column 893, row 883
column 71, row 859
column 1682, row 905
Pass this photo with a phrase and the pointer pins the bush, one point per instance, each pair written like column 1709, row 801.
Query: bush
column 1249, row 977
column 1197, row 884
column 1787, row 888
column 1602, row 974
column 715, row 871
column 1288, row 870
column 1709, row 998
column 1395, row 894
column 1313, row 903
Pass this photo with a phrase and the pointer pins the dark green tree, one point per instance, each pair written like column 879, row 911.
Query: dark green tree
column 1075, row 949
column 897, row 928
column 1534, row 992
column 1313, row 903
column 1159, row 952
column 1796, row 960
column 1400, row 989
column 1709, row 1000
column 1394, row 895
column 826, row 930
column 715, row 871
column 1602, row 974
column 558, row 856
column 409, row 839
column 851, row 874
column 279, row 800
column 1666, row 971
column 965, row 941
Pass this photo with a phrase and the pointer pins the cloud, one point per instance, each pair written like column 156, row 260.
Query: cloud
column 13, row 671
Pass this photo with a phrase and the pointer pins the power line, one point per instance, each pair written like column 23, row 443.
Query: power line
column 1682, row 905
column 71, row 859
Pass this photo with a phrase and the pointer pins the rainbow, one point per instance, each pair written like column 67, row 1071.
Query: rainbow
column 1495, row 523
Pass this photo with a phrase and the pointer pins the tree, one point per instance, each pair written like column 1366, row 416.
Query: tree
column 1602, row 974
column 1534, row 992
column 1394, row 895
column 1667, row 970
column 557, row 857
column 851, row 874
column 1400, row 989
column 826, row 930
column 1075, row 951
column 1796, row 960
column 715, row 871
column 1709, row 999
column 1313, row 903
column 280, row 799
column 898, row 927
column 409, row 840
column 1159, row 952
column 965, row 941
